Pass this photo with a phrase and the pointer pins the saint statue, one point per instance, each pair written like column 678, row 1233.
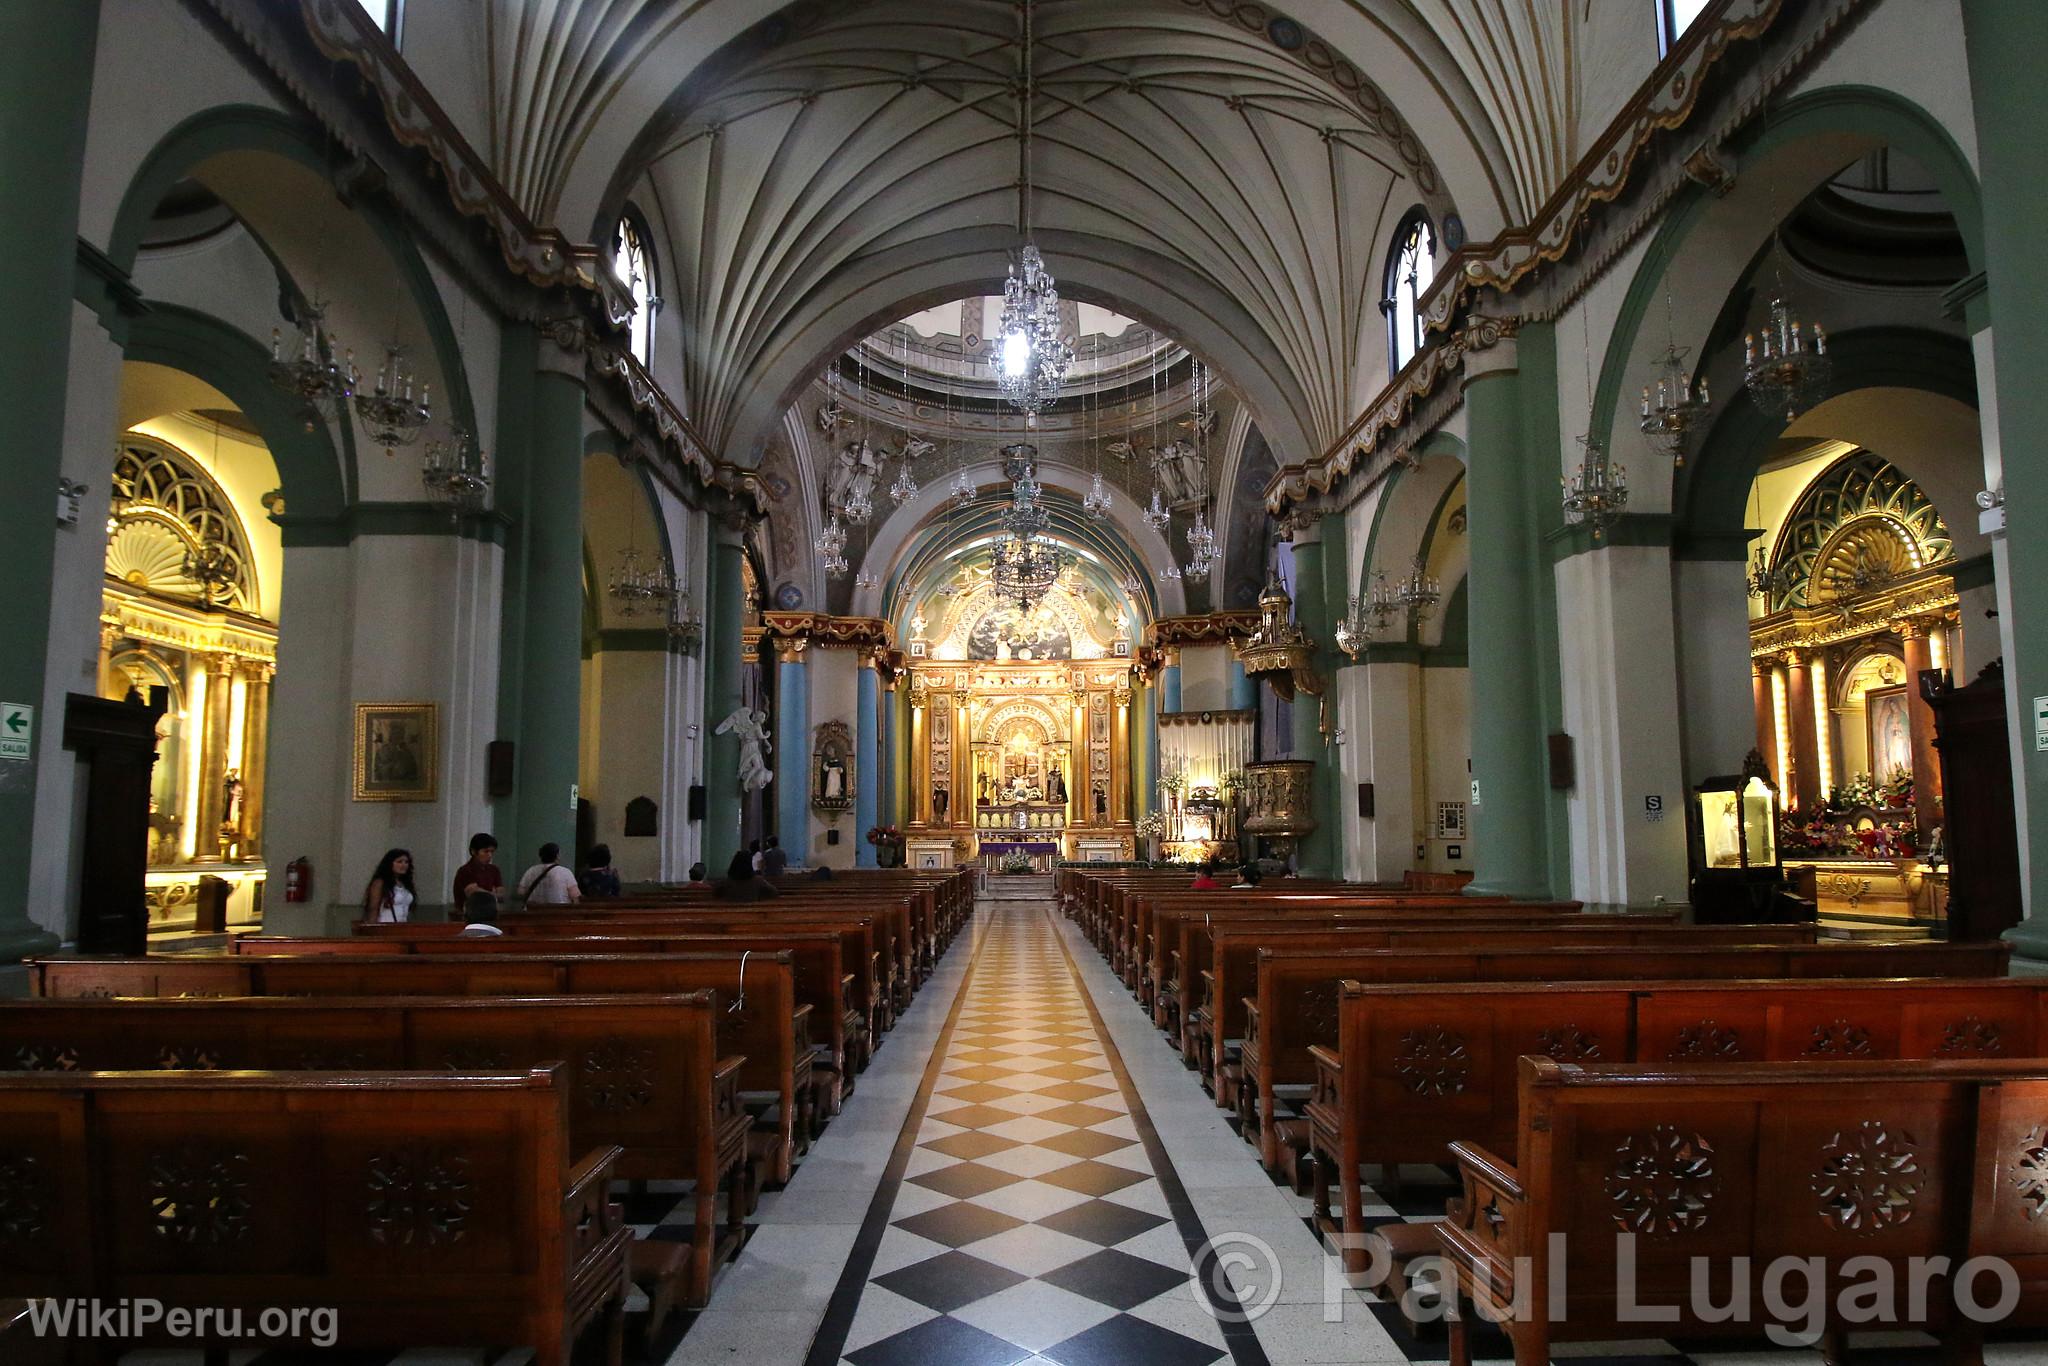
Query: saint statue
column 752, row 729
column 940, row 801
column 981, row 789
column 231, row 801
column 1055, row 785
column 1101, row 804
column 835, row 778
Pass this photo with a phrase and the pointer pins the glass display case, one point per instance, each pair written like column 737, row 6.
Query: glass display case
column 1737, row 875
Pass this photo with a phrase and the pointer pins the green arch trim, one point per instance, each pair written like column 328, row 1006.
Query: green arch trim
column 251, row 128
column 1436, row 443
column 1892, row 119
column 1452, row 650
column 1712, row 495
column 236, row 364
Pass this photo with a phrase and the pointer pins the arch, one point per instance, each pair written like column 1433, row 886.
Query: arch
column 250, row 128
column 1809, row 137
column 315, row 476
column 638, row 268
column 1713, row 492
column 1037, row 712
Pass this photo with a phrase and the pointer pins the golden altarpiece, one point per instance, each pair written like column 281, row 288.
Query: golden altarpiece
column 1020, row 729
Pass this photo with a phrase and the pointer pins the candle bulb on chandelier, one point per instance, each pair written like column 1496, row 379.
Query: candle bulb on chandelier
column 1820, row 340
column 1748, row 349
column 276, row 344
column 1646, row 400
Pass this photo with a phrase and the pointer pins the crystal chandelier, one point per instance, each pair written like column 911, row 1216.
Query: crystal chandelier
column 1034, row 356
column 1354, row 630
column 1025, row 569
column 394, row 417
column 832, row 548
column 1597, row 491
column 1157, row 515
column 456, row 473
column 1784, row 368
column 1674, row 407
column 962, row 491
column 1131, row 586
column 865, row 581
column 1419, row 592
column 905, row 487
column 1096, row 502
column 859, row 507
column 685, row 626
column 640, row 584
column 1761, row 579
column 212, row 568
column 1170, row 571
column 310, row 372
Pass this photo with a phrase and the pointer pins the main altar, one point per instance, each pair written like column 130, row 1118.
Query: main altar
column 1020, row 757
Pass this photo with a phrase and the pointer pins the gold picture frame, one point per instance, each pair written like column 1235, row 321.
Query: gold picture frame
column 397, row 751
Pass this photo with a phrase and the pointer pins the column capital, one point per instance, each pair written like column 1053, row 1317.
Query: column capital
column 564, row 343
column 1488, row 344
column 789, row 649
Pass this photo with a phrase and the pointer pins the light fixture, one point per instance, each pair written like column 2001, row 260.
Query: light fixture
column 685, row 626
column 1354, row 631
column 394, row 417
column 1157, row 515
column 962, row 491
column 1096, row 503
column 1597, row 491
column 904, row 488
column 211, row 566
column 311, row 372
column 1785, row 368
column 1674, row 406
column 456, row 473
column 832, row 547
column 1763, row 579
column 865, row 581
column 640, row 584
column 1033, row 356
column 1024, row 570
column 1419, row 592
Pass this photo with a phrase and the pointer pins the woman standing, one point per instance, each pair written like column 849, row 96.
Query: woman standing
column 389, row 896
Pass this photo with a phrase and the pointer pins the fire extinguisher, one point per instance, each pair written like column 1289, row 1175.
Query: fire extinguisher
column 298, row 879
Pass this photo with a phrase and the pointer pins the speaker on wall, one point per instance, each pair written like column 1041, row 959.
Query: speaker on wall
column 696, row 811
column 1563, row 771
column 498, row 768
column 1365, row 801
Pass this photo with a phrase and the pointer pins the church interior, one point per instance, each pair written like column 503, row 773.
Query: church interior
column 1023, row 681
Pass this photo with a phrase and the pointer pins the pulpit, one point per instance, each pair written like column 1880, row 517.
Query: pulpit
column 1976, row 784
column 116, row 743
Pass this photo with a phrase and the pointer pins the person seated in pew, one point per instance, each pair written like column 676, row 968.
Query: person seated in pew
column 389, row 896
column 1248, row 873
column 700, row 876
column 821, row 874
column 1205, row 879
column 599, row 879
column 548, row 883
column 482, row 870
column 480, row 914
column 774, row 858
column 742, row 883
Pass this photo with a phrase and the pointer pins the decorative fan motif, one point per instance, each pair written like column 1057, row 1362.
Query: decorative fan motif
column 1859, row 524
column 168, row 512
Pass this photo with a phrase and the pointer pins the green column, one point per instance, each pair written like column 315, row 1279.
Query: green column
column 46, row 60
column 549, row 661
column 1509, row 817
column 2004, row 39
column 1315, row 854
column 722, row 645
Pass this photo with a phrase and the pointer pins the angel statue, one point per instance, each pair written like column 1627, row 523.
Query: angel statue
column 752, row 729
column 832, row 416
column 915, row 448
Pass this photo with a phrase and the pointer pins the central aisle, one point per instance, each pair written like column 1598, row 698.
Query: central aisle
column 1028, row 1212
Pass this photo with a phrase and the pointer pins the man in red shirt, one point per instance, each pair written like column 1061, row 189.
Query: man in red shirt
column 480, row 873
column 1205, row 879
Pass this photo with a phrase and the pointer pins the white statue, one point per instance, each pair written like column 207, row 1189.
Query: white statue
column 915, row 448
column 853, row 475
column 832, row 417
column 752, row 729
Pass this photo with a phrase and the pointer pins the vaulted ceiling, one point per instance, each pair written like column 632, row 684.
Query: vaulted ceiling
column 1225, row 170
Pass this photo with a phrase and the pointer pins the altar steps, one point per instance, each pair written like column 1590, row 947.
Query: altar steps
column 1035, row 887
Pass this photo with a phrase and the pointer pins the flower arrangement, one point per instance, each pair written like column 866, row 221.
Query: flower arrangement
column 1819, row 832
column 1151, row 825
column 885, row 834
column 1016, row 861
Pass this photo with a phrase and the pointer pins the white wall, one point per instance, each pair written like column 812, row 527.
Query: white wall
column 1717, row 709
column 1204, row 677
column 1443, row 735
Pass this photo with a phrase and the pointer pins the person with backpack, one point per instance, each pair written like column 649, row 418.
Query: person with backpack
column 548, row 883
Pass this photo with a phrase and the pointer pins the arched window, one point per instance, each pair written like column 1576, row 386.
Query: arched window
column 633, row 263
column 1411, row 265
column 385, row 14
column 1674, row 17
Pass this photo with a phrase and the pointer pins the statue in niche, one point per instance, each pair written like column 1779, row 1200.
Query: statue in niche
column 1101, row 804
column 1055, row 785
column 231, row 802
column 835, row 779
column 940, row 801
column 832, row 766
column 981, row 789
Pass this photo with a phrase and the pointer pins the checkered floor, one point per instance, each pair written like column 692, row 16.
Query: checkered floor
column 1030, row 1225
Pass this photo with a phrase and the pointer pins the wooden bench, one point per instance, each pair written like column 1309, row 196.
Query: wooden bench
column 641, row 1072
column 1857, row 1169
column 1420, row 1066
column 815, row 958
column 425, row 1210
column 1296, row 1004
column 770, row 1032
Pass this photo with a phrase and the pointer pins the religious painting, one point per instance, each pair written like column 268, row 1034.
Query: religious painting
column 832, row 767
column 1891, row 731
column 396, row 748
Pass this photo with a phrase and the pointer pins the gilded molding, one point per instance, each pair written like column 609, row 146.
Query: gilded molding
column 344, row 32
column 1212, row 628
column 1806, row 630
column 1389, row 413
column 1665, row 101
column 827, row 632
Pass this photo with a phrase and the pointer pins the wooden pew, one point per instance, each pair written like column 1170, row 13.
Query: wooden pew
column 641, row 1075
column 770, row 1032
column 815, row 958
column 444, row 1210
column 1219, row 1010
column 1858, row 1168
column 1420, row 1066
column 1296, row 1004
